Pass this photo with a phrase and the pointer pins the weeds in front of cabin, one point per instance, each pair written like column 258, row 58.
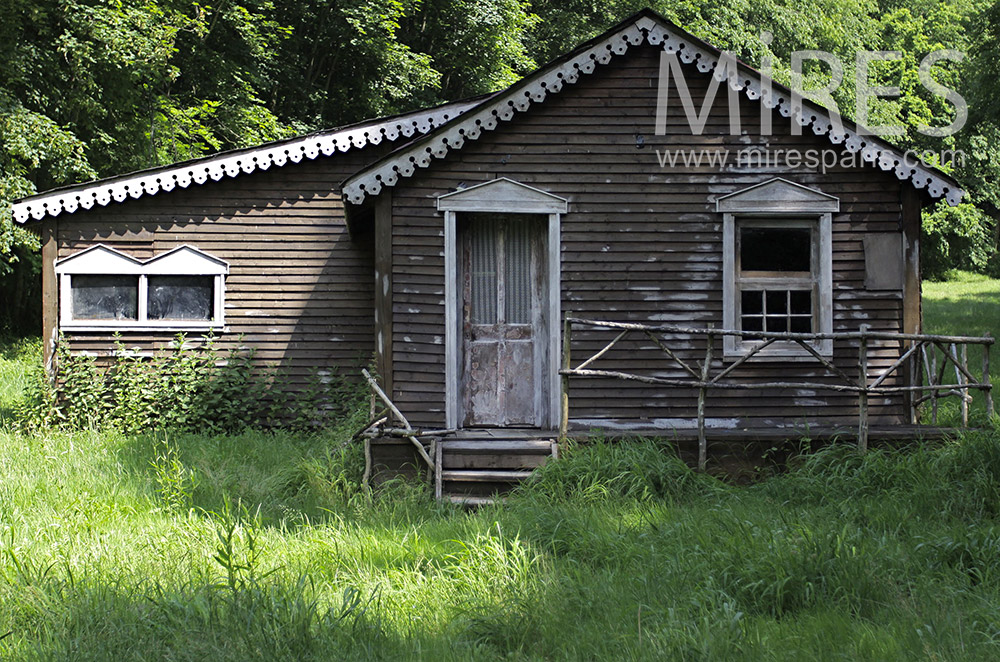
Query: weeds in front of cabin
column 274, row 553
column 129, row 547
column 184, row 387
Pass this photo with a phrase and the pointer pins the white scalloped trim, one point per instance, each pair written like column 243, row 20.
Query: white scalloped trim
column 488, row 116
column 215, row 168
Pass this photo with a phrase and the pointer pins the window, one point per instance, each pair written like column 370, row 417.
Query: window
column 777, row 264
column 105, row 297
column 102, row 288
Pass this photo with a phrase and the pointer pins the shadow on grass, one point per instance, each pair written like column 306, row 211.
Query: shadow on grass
column 284, row 477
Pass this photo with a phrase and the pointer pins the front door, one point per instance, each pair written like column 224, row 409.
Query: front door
column 503, row 326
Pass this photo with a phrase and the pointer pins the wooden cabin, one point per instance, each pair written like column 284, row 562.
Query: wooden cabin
column 453, row 243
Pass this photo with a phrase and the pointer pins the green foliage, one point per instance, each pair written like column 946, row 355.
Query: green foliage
column 956, row 238
column 185, row 388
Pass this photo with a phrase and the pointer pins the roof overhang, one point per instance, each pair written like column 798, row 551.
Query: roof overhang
column 646, row 27
column 232, row 164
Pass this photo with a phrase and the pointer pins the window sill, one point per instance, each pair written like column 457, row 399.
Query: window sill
column 777, row 352
column 175, row 327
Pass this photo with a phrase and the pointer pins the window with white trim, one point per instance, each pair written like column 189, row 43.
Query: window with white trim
column 101, row 288
column 777, row 264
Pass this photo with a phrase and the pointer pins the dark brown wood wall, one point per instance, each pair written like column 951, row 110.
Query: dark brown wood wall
column 300, row 289
column 640, row 243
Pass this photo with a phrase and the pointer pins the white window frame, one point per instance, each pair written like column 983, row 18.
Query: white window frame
column 779, row 203
column 100, row 260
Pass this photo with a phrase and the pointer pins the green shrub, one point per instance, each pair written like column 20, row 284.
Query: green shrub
column 182, row 388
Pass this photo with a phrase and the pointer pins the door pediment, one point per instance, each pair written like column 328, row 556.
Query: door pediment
column 502, row 195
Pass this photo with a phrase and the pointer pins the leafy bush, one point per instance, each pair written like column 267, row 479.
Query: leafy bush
column 957, row 238
column 183, row 388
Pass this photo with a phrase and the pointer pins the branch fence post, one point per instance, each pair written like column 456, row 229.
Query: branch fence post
column 702, row 392
column 863, row 392
column 963, row 383
column 564, row 382
column 987, row 385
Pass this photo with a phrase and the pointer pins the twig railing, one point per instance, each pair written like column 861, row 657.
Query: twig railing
column 917, row 350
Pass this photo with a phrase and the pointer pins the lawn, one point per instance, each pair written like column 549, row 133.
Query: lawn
column 262, row 547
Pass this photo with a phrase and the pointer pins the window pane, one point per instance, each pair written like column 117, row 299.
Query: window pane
column 517, row 267
column 105, row 297
column 483, row 268
column 753, row 323
column 181, row 297
column 802, row 323
column 775, row 249
column 801, row 302
column 752, row 303
column 777, row 323
column 777, row 302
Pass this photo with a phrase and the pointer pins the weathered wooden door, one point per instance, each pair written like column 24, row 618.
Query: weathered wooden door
column 502, row 321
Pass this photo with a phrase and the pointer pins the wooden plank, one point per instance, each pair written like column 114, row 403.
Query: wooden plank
column 383, row 289
column 50, row 293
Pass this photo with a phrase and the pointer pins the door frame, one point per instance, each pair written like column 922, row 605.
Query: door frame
column 502, row 196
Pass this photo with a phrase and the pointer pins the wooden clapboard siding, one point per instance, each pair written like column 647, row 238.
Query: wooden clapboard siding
column 300, row 289
column 640, row 243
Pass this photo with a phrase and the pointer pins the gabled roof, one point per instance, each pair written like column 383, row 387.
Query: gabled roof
column 449, row 126
column 644, row 27
column 236, row 162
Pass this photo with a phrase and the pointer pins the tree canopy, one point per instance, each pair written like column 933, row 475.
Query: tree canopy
column 98, row 87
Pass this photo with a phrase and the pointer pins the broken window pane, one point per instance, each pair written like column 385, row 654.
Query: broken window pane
column 775, row 249
column 181, row 297
column 105, row 297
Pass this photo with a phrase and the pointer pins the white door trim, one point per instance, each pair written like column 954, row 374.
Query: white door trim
column 453, row 330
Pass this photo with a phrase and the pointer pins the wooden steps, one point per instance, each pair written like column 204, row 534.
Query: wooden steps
column 473, row 468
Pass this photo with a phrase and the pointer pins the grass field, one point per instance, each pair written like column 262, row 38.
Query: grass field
column 262, row 547
column 966, row 304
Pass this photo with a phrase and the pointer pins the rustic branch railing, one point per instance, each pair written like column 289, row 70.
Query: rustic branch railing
column 923, row 348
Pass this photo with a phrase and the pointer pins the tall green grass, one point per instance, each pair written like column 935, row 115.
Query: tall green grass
column 260, row 553
column 263, row 546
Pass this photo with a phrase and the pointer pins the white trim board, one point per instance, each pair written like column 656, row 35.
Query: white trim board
column 648, row 27
column 181, row 261
column 215, row 168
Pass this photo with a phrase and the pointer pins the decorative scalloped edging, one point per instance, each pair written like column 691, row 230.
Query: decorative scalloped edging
column 216, row 167
column 489, row 115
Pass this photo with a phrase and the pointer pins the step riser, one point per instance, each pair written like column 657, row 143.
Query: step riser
column 483, row 468
column 508, row 462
